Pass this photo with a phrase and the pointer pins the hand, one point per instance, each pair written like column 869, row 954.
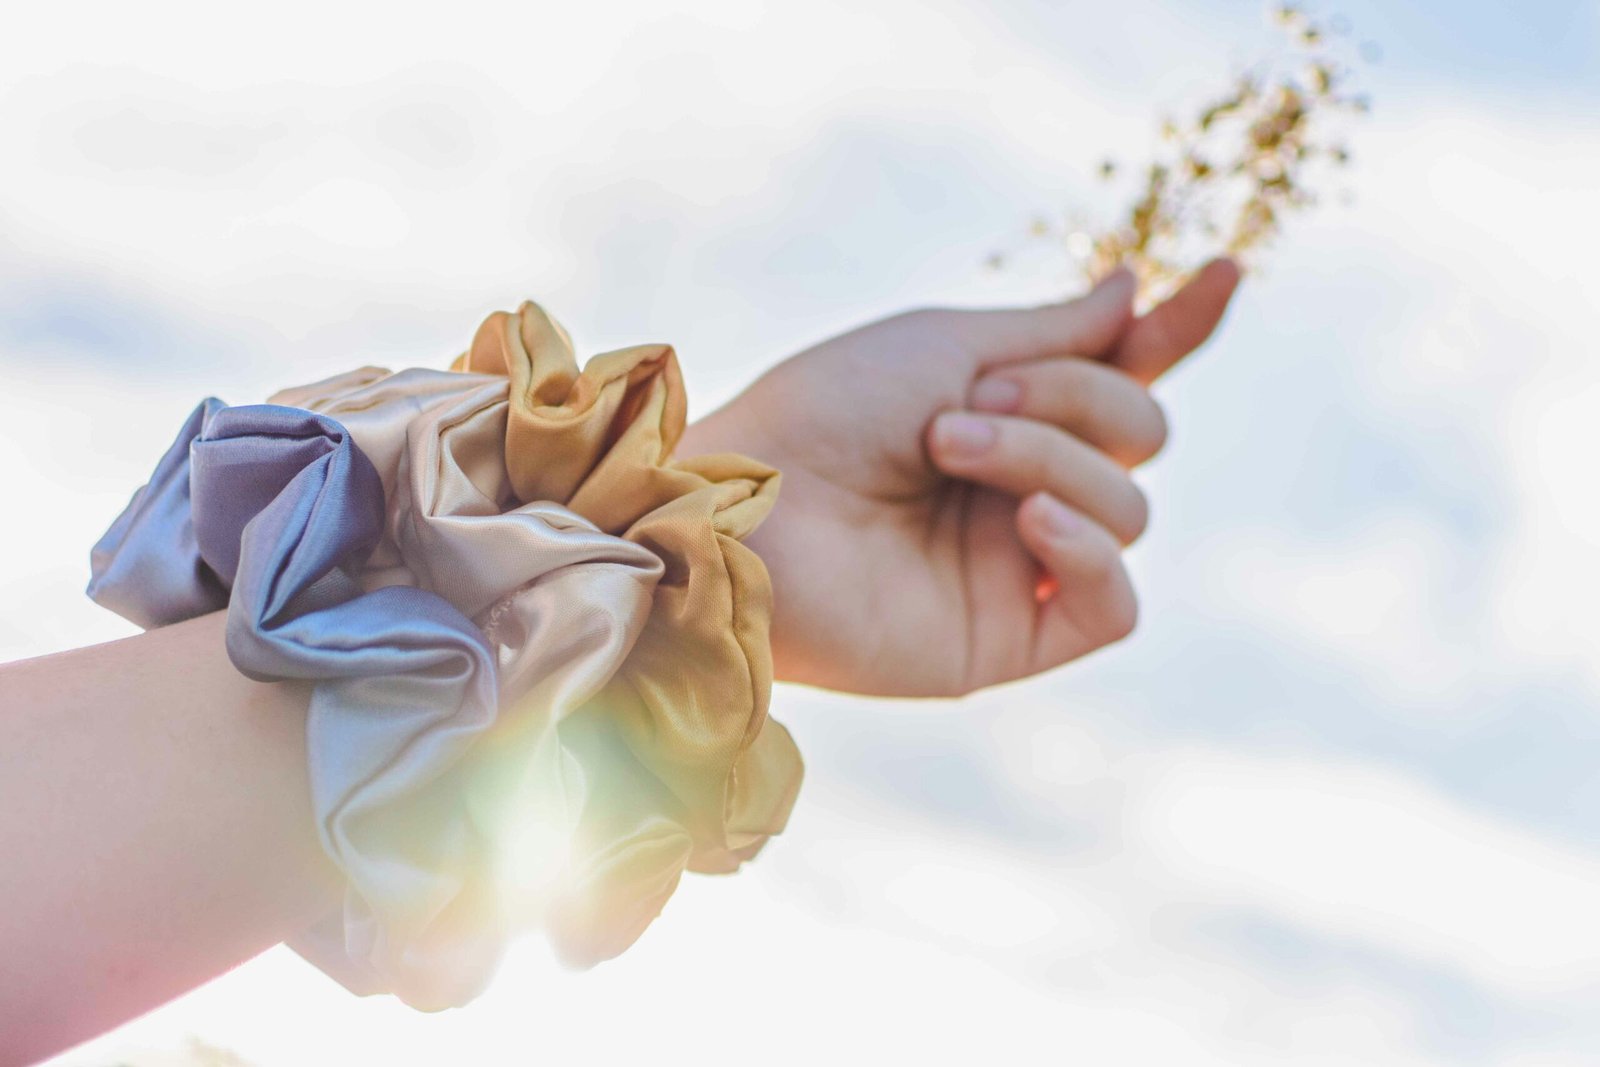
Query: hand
column 902, row 561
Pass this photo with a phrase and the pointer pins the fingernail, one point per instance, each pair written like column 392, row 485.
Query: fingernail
column 1003, row 395
column 1059, row 520
column 963, row 433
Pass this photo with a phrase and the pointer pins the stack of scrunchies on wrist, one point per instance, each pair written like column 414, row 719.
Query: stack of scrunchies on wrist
column 540, row 651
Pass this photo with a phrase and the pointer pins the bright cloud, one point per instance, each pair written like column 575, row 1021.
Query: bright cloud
column 1379, row 478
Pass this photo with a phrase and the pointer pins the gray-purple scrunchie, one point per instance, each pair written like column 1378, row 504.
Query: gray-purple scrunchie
column 272, row 512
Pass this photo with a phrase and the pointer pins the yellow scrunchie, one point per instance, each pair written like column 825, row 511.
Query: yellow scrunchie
column 689, row 704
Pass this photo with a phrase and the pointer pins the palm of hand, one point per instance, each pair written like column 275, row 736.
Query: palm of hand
column 926, row 590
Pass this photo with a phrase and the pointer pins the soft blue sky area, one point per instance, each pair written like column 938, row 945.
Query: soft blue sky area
column 1516, row 49
column 1365, row 639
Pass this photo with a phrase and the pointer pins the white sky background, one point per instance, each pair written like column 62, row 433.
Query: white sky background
column 1335, row 802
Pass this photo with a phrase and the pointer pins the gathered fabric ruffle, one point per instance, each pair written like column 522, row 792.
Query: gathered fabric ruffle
column 689, row 705
column 541, row 650
column 670, row 763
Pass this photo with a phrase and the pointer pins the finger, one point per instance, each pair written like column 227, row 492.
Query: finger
column 1020, row 456
column 1178, row 325
column 1086, row 326
column 1093, row 604
column 1094, row 402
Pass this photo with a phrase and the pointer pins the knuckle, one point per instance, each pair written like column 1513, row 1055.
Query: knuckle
column 1079, row 394
column 1136, row 517
column 1160, row 429
column 1121, row 616
column 1018, row 447
column 1102, row 560
column 1144, row 431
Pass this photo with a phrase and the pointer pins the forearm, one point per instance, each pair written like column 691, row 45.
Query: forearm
column 155, row 830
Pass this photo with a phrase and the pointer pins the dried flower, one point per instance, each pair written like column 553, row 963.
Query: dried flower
column 1228, row 176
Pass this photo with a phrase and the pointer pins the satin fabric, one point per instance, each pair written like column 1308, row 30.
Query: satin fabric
column 689, row 705
column 629, row 624
column 636, row 812
column 562, row 602
column 279, row 506
column 146, row 567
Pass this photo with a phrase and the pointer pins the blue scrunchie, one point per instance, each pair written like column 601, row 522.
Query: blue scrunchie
column 272, row 511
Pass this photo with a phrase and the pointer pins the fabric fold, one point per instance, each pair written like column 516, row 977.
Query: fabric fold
column 541, row 650
column 561, row 602
column 146, row 567
column 284, row 510
column 690, row 703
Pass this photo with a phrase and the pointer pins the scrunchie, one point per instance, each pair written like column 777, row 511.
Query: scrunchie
column 708, row 776
column 645, row 810
column 629, row 624
column 562, row 602
column 280, row 507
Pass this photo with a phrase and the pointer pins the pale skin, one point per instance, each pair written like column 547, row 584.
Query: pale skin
column 155, row 821
column 911, row 529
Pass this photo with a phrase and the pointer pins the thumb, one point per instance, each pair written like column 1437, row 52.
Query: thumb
column 1087, row 326
column 1178, row 325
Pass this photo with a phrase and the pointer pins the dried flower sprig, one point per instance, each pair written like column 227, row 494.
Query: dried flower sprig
column 1224, row 179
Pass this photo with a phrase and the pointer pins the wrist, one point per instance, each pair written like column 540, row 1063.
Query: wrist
column 721, row 431
column 728, row 430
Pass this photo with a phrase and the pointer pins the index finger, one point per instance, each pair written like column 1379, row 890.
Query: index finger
column 1178, row 325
